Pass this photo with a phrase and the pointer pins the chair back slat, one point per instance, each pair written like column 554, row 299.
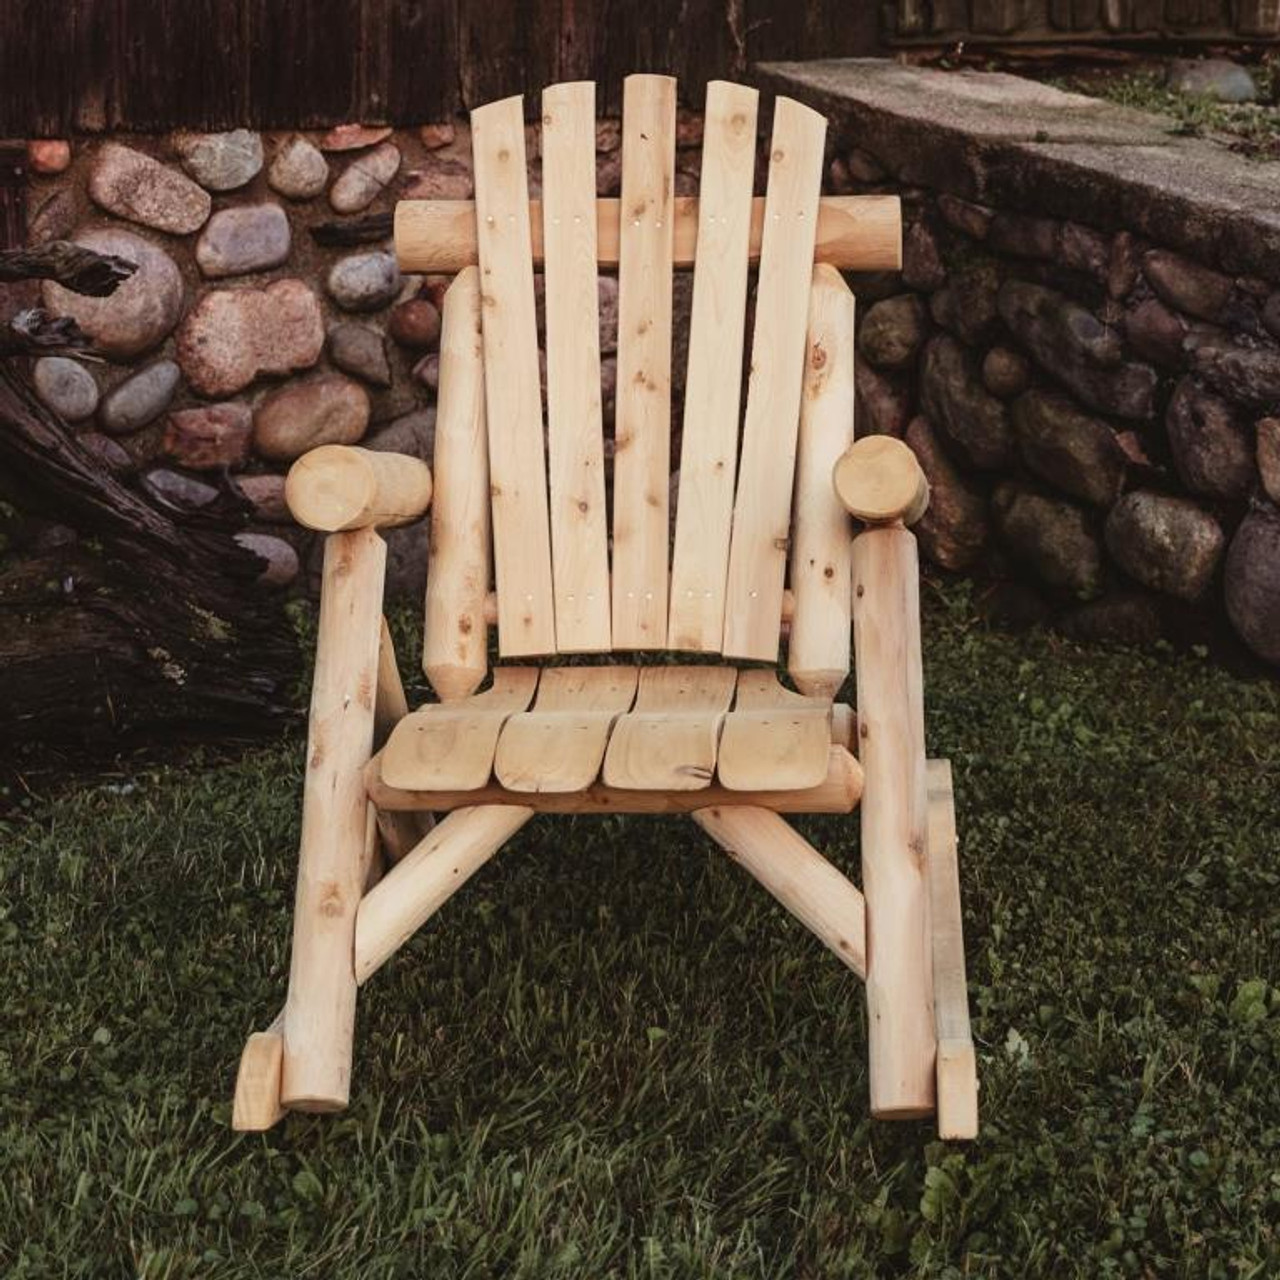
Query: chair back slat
column 455, row 653
column 517, row 465
column 762, row 508
column 642, row 427
column 713, row 386
column 575, row 433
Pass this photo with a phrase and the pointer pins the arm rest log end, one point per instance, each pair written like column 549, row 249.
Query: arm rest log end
column 340, row 487
column 880, row 481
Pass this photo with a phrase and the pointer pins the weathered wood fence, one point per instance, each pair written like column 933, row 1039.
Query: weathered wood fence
column 149, row 65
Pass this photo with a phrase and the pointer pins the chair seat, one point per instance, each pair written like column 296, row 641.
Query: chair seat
column 657, row 729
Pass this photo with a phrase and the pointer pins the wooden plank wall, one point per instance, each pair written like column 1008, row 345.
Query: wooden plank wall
column 153, row 65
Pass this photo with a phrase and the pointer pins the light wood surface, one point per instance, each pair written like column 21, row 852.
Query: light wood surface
column 575, row 430
column 560, row 744
column 320, row 1010
column 390, row 705
column 389, row 708
column 416, row 888
column 886, row 616
column 838, row 792
column 717, row 327
column 773, row 738
column 642, row 403
column 513, row 397
column 819, row 895
column 855, row 233
column 449, row 746
column 762, row 507
column 339, row 486
column 879, row 480
column 821, row 532
column 257, row 1106
column 957, row 1064
column 455, row 653
column 668, row 743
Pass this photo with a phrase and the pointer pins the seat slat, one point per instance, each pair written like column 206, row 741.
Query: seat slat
column 821, row 531
column 642, row 428
column 762, row 508
column 668, row 743
column 579, row 532
column 559, row 745
column 517, row 467
column 773, row 738
column 450, row 746
column 709, row 447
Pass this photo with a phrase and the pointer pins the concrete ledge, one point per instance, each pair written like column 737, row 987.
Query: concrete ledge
column 1014, row 143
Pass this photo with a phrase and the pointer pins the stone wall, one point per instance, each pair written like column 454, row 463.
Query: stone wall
column 1097, row 407
column 240, row 342
column 1097, row 410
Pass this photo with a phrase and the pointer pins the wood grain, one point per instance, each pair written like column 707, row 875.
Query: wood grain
column 575, row 426
column 449, row 746
column 642, row 405
column 762, row 507
column 838, row 792
column 821, row 532
column 455, row 648
column 713, row 387
column 855, row 233
column 513, row 397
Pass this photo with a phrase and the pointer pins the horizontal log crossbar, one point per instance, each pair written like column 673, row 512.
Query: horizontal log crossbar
column 855, row 233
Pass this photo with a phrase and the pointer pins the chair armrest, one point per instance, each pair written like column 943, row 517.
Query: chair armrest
column 339, row 487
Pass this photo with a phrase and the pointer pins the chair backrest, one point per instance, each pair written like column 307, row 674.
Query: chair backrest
column 573, row 575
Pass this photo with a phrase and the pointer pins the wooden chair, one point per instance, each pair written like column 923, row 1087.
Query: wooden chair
column 764, row 546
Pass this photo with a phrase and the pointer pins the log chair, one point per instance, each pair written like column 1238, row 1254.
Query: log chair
column 521, row 540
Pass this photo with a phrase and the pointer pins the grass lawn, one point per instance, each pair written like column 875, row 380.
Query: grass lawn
column 614, row 1055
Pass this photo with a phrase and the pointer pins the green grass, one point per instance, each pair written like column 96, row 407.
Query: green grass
column 613, row 1055
column 1252, row 128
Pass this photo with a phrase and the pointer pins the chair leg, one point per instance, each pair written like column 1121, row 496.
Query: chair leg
column 957, row 1064
column 786, row 864
column 417, row 886
column 319, row 1016
column 886, row 617
column 398, row 832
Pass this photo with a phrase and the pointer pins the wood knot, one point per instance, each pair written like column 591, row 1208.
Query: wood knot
column 330, row 899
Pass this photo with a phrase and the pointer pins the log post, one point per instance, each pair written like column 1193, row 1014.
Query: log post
column 399, row 831
column 886, row 618
column 818, row 643
column 455, row 654
column 816, row 893
column 319, row 1017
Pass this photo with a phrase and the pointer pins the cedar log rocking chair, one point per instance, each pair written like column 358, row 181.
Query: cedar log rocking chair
column 764, row 546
